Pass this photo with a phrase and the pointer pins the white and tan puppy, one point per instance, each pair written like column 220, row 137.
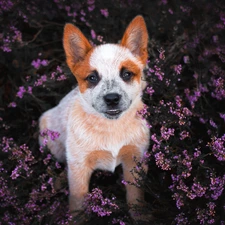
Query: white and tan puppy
column 98, row 122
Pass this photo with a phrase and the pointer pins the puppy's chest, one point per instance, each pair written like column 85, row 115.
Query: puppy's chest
column 103, row 160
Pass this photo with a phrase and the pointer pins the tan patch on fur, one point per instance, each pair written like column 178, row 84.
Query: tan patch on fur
column 99, row 156
column 81, row 70
column 78, row 50
column 132, row 67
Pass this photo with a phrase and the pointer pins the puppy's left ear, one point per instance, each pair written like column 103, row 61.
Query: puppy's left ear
column 135, row 38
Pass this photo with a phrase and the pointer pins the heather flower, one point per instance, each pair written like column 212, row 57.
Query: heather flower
column 96, row 203
column 93, row 34
column 21, row 91
column 186, row 59
column 104, row 12
column 184, row 134
column 181, row 219
column 118, row 221
column 40, row 81
column 218, row 149
column 46, row 133
column 222, row 115
column 162, row 54
column 166, row 133
column 5, row 5
column 162, row 162
column 216, row 186
column 179, row 200
column 150, row 90
column 12, row 105
column 38, row 63
column 206, row 215
column 177, row 69
column 143, row 112
column 157, row 72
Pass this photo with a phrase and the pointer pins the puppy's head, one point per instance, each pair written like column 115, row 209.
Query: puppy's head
column 109, row 75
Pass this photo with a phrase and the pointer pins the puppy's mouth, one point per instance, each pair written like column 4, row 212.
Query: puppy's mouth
column 113, row 112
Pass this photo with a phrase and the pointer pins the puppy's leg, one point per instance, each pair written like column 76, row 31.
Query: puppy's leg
column 134, row 195
column 79, row 177
column 127, row 154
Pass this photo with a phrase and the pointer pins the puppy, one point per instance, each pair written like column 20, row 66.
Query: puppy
column 98, row 121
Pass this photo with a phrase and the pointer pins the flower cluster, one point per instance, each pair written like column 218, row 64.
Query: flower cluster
column 96, row 203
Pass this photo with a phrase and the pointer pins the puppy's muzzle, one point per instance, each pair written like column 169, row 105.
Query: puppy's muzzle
column 112, row 101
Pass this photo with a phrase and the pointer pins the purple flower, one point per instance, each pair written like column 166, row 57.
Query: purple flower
column 186, row 59
column 46, row 134
column 96, row 203
column 162, row 162
column 177, row 68
column 93, row 34
column 21, row 91
column 217, row 146
column 38, row 63
column 104, row 12
column 40, row 81
column 150, row 90
column 12, row 105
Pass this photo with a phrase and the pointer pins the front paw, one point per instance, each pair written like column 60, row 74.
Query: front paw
column 140, row 213
column 78, row 217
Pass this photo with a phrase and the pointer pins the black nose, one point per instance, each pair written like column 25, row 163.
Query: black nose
column 112, row 99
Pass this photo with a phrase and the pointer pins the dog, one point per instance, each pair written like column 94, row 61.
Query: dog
column 98, row 121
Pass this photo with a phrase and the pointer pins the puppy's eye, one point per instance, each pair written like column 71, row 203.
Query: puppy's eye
column 93, row 78
column 126, row 75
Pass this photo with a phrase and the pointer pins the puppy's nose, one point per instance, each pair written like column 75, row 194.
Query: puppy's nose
column 112, row 99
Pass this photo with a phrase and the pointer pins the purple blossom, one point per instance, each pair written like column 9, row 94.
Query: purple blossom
column 162, row 54
column 166, row 133
column 143, row 112
column 157, row 72
column 38, row 63
column 21, row 91
column 218, row 148
column 104, row 12
column 181, row 219
column 186, row 59
column 177, row 69
column 93, row 34
column 150, row 90
column 162, row 162
column 222, row 115
column 184, row 134
column 216, row 186
column 96, row 203
column 46, row 133
column 40, row 81
column 12, row 105
column 5, row 5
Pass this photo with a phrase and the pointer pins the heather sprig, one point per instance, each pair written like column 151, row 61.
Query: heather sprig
column 97, row 204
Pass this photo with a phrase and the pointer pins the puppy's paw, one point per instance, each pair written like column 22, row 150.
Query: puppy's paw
column 141, row 214
column 79, row 218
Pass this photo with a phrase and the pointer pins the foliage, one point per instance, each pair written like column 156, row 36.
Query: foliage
column 184, row 106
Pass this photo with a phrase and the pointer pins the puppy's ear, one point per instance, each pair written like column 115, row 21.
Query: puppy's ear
column 75, row 44
column 135, row 38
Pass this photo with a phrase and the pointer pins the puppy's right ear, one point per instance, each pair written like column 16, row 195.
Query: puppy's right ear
column 75, row 44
